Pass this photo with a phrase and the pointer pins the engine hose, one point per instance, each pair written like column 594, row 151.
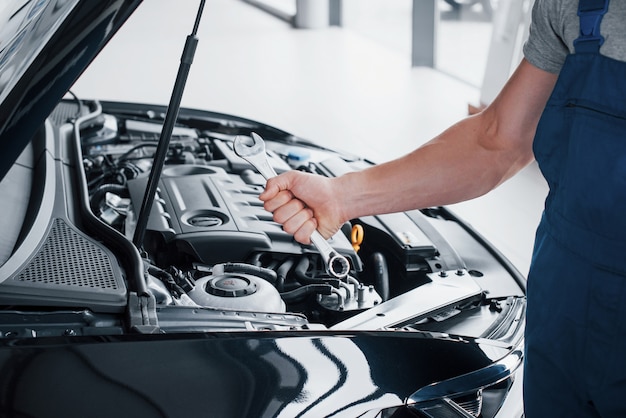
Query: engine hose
column 100, row 191
column 340, row 299
column 353, row 281
column 262, row 272
column 381, row 275
column 301, row 269
column 281, row 273
column 301, row 292
column 255, row 259
column 348, row 290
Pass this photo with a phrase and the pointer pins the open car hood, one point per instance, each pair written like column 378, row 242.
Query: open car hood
column 44, row 46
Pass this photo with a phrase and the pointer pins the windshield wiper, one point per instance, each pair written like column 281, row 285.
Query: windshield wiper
column 166, row 133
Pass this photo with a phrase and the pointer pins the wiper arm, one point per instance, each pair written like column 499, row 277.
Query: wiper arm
column 166, row 133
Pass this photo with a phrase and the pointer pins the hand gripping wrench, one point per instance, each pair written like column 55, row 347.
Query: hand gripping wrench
column 336, row 264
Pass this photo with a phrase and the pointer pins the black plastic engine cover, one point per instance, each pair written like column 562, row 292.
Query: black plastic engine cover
column 216, row 216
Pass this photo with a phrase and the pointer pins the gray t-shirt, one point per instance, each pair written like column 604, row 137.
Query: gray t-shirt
column 555, row 25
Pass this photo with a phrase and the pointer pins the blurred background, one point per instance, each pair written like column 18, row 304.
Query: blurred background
column 377, row 78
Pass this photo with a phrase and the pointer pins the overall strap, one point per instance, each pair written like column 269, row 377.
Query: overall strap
column 590, row 13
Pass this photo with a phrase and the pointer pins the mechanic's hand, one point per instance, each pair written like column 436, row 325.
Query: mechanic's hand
column 302, row 203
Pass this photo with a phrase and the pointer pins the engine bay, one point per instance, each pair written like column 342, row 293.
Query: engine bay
column 211, row 243
column 212, row 258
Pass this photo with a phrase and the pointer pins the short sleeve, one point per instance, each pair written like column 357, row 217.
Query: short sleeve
column 545, row 47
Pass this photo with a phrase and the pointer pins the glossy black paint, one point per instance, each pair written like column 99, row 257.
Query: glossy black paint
column 61, row 59
column 229, row 375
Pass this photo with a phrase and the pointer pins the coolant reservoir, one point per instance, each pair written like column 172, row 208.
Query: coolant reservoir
column 237, row 291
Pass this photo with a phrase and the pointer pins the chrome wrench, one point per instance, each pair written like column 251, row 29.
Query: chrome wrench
column 254, row 153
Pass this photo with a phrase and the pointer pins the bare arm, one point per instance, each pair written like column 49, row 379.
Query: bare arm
column 467, row 160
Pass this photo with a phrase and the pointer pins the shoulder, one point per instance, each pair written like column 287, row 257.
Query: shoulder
column 554, row 26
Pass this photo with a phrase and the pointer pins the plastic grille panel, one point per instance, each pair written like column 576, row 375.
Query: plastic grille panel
column 64, row 112
column 68, row 259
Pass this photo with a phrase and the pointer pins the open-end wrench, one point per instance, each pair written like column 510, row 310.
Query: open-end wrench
column 254, row 153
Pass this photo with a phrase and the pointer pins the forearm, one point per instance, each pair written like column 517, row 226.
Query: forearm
column 466, row 161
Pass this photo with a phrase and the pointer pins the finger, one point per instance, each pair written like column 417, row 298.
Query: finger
column 292, row 211
column 303, row 234
column 280, row 199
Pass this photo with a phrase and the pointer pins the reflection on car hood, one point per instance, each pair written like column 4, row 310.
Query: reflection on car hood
column 273, row 375
column 44, row 46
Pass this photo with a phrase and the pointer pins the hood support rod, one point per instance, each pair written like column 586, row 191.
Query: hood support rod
column 166, row 133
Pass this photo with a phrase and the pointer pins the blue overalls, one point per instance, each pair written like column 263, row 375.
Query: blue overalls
column 576, row 321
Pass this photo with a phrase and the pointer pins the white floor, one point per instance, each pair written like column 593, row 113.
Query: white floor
column 338, row 86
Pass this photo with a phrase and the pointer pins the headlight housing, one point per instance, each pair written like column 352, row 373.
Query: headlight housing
column 477, row 394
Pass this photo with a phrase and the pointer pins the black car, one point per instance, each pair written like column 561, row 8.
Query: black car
column 140, row 275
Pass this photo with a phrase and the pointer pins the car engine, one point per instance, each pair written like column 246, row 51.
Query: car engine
column 209, row 240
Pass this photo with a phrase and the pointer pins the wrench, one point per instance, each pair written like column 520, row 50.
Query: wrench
column 336, row 264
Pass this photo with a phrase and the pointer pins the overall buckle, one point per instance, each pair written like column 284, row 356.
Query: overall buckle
column 590, row 13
